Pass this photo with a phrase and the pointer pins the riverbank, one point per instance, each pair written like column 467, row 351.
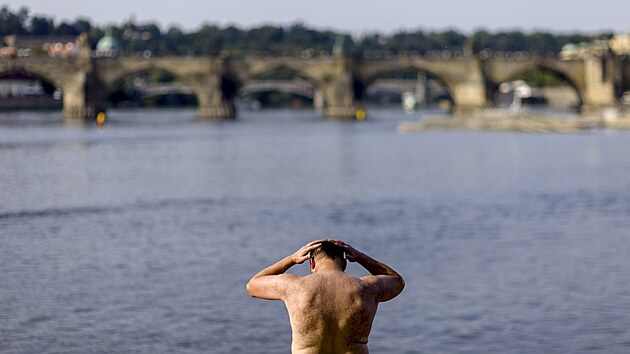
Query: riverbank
column 526, row 122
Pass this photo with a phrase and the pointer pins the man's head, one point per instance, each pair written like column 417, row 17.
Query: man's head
column 330, row 251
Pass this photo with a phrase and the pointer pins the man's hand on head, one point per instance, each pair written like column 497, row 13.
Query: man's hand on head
column 301, row 255
column 351, row 253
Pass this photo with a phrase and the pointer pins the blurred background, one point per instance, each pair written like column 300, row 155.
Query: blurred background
column 154, row 156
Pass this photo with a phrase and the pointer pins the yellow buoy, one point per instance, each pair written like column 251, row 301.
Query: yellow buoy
column 359, row 114
column 100, row 118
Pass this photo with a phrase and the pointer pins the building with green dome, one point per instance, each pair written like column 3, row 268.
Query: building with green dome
column 108, row 46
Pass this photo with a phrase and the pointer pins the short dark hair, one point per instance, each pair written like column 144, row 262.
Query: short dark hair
column 329, row 250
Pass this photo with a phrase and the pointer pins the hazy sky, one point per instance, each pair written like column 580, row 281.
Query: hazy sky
column 356, row 17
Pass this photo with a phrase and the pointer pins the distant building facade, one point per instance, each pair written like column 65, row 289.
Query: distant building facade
column 53, row 46
column 619, row 45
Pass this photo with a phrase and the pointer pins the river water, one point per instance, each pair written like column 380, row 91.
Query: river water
column 140, row 237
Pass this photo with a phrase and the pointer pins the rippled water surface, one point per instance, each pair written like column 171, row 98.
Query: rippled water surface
column 140, row 237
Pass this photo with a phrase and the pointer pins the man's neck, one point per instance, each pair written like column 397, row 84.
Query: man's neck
column 327, row 266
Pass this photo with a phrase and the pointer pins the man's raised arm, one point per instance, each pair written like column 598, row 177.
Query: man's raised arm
column 387, row 281
column 270, row 283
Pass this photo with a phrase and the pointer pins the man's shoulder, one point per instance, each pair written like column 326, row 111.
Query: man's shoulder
column 289, row 277
column 384, row 287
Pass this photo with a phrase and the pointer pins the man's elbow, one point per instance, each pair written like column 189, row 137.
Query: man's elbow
column 393, row 288
column 250, row 288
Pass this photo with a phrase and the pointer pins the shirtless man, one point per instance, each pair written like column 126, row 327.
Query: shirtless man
column 330, row 311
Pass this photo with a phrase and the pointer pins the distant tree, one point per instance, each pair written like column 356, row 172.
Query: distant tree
column 203, row 41
column 450, row 39
column 11, row 23
column 408, row 42
column 66, row 29
column 139, row 38
column 294, row 39
column 267, row 34
column 41, row 26
column 175, row 41
column 481, row 40
column 543, row 43
column 82, row 25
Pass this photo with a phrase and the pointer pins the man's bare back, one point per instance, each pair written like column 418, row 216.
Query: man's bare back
column 330, row 311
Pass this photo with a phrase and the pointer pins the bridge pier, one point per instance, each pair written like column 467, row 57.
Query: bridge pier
column 214, row 95
column 469, row 90
column 84, row 95
column 74, row 107
column 599, row 92
column 224, row 110
column 464, row 111
column 340, row 112
column 80, row 101
column 340, row 97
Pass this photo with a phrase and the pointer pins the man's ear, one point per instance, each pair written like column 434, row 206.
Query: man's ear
column 312, row 261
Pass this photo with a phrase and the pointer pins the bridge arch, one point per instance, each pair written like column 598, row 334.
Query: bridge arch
column 544, row 71
column 286, row 77
column 113, row 81
column 163, row 83
column 572, row 72
column 276, row 66
column 366, row 80
column 39, row 72
column 32, row 89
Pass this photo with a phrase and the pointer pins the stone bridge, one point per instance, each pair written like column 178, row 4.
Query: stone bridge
column 86, row 82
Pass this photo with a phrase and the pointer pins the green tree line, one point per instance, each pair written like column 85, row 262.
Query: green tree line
column 293, row 39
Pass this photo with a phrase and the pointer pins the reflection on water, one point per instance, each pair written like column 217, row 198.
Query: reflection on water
column 139, row 238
